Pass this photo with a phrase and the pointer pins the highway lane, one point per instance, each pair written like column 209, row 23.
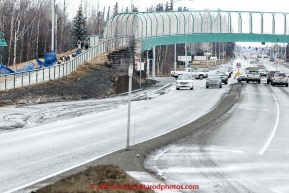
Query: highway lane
column 32, row 154
column 246, row 150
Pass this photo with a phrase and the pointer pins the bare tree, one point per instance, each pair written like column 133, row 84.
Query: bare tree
column 20, row 30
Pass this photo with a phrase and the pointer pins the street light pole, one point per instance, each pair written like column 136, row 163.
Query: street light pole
column 186, row 61
column 52, row 30
column 175, row 62
column 130, row 72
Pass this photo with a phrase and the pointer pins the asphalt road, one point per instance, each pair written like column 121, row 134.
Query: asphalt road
column 246, row 150
column 34, row 154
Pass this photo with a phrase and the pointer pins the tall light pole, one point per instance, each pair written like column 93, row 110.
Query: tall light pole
column 175, row 62
column 52, row 30
column 130, row 72
column 186, row 62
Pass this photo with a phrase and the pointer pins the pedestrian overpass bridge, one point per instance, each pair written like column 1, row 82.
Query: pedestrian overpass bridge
column 174, row 27
column 151, row 29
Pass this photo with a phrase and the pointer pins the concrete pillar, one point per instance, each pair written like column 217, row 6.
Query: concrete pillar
column 148, row 64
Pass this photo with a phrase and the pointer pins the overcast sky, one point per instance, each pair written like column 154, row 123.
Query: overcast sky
column 244, row 5
column 249, row 5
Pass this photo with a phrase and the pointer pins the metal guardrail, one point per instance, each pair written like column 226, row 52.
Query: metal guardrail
column 20, row 79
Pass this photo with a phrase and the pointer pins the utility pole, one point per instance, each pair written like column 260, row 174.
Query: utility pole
column 215, row 54
column 56, row 33
column 148, row 64
column 186, row 62
column 130, row 71
column 52, row 21
column 154, row 64
column 175, row 62
column 219, row 54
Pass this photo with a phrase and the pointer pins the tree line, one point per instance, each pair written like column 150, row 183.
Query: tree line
column 26, row 25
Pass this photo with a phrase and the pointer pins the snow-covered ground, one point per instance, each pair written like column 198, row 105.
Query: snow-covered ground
column 22, row 117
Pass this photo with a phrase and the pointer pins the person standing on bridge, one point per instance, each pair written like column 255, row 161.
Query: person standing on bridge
column 79, row 44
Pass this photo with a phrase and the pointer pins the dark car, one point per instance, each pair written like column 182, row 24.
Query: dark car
column 270, row 75
column 223, row 77
column 272, row 59
column 213, row 80
column 229, row 68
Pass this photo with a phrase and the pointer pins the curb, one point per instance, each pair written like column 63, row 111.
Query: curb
column 143, row 89
column 131, row 92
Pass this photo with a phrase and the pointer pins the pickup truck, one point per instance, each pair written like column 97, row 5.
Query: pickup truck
column 253, row 75
column 190, row 71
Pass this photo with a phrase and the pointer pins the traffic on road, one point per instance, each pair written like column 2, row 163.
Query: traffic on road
column 243, row 151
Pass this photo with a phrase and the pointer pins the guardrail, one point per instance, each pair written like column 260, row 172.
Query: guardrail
column 19, row 79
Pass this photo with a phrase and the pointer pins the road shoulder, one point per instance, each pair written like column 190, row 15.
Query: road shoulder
column 133, row 159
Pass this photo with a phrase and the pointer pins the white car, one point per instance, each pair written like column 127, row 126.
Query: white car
column 185, row 81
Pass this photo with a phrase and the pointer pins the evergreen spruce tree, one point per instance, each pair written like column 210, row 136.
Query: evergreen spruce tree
column 78, row 31
column 172, row 5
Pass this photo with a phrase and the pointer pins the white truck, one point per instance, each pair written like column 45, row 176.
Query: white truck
column 253, row 76
column 191, row 71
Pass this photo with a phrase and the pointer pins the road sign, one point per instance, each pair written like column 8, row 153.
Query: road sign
column 184, row 58
column 130, row 70
column 139, row 66
column 276, row 62
column 238, row 65
column 238, row 73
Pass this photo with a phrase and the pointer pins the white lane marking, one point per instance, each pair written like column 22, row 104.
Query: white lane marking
column 57, row 173
column 253, row 109
column 88, row 122
column 233, row 151
column 274, row 130
column 40, row 142
column 85, row 132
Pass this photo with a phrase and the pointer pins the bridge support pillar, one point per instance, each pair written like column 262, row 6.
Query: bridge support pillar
column 175, row 62
column 154, row 64
column 186, row 55
column 148, row 64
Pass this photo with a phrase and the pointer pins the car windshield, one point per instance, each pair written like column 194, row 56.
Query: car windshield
column 253, row 72
column 281, row 74
column 221, row 73
column 213, row 77
column 184, row 77
column 262, row 70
